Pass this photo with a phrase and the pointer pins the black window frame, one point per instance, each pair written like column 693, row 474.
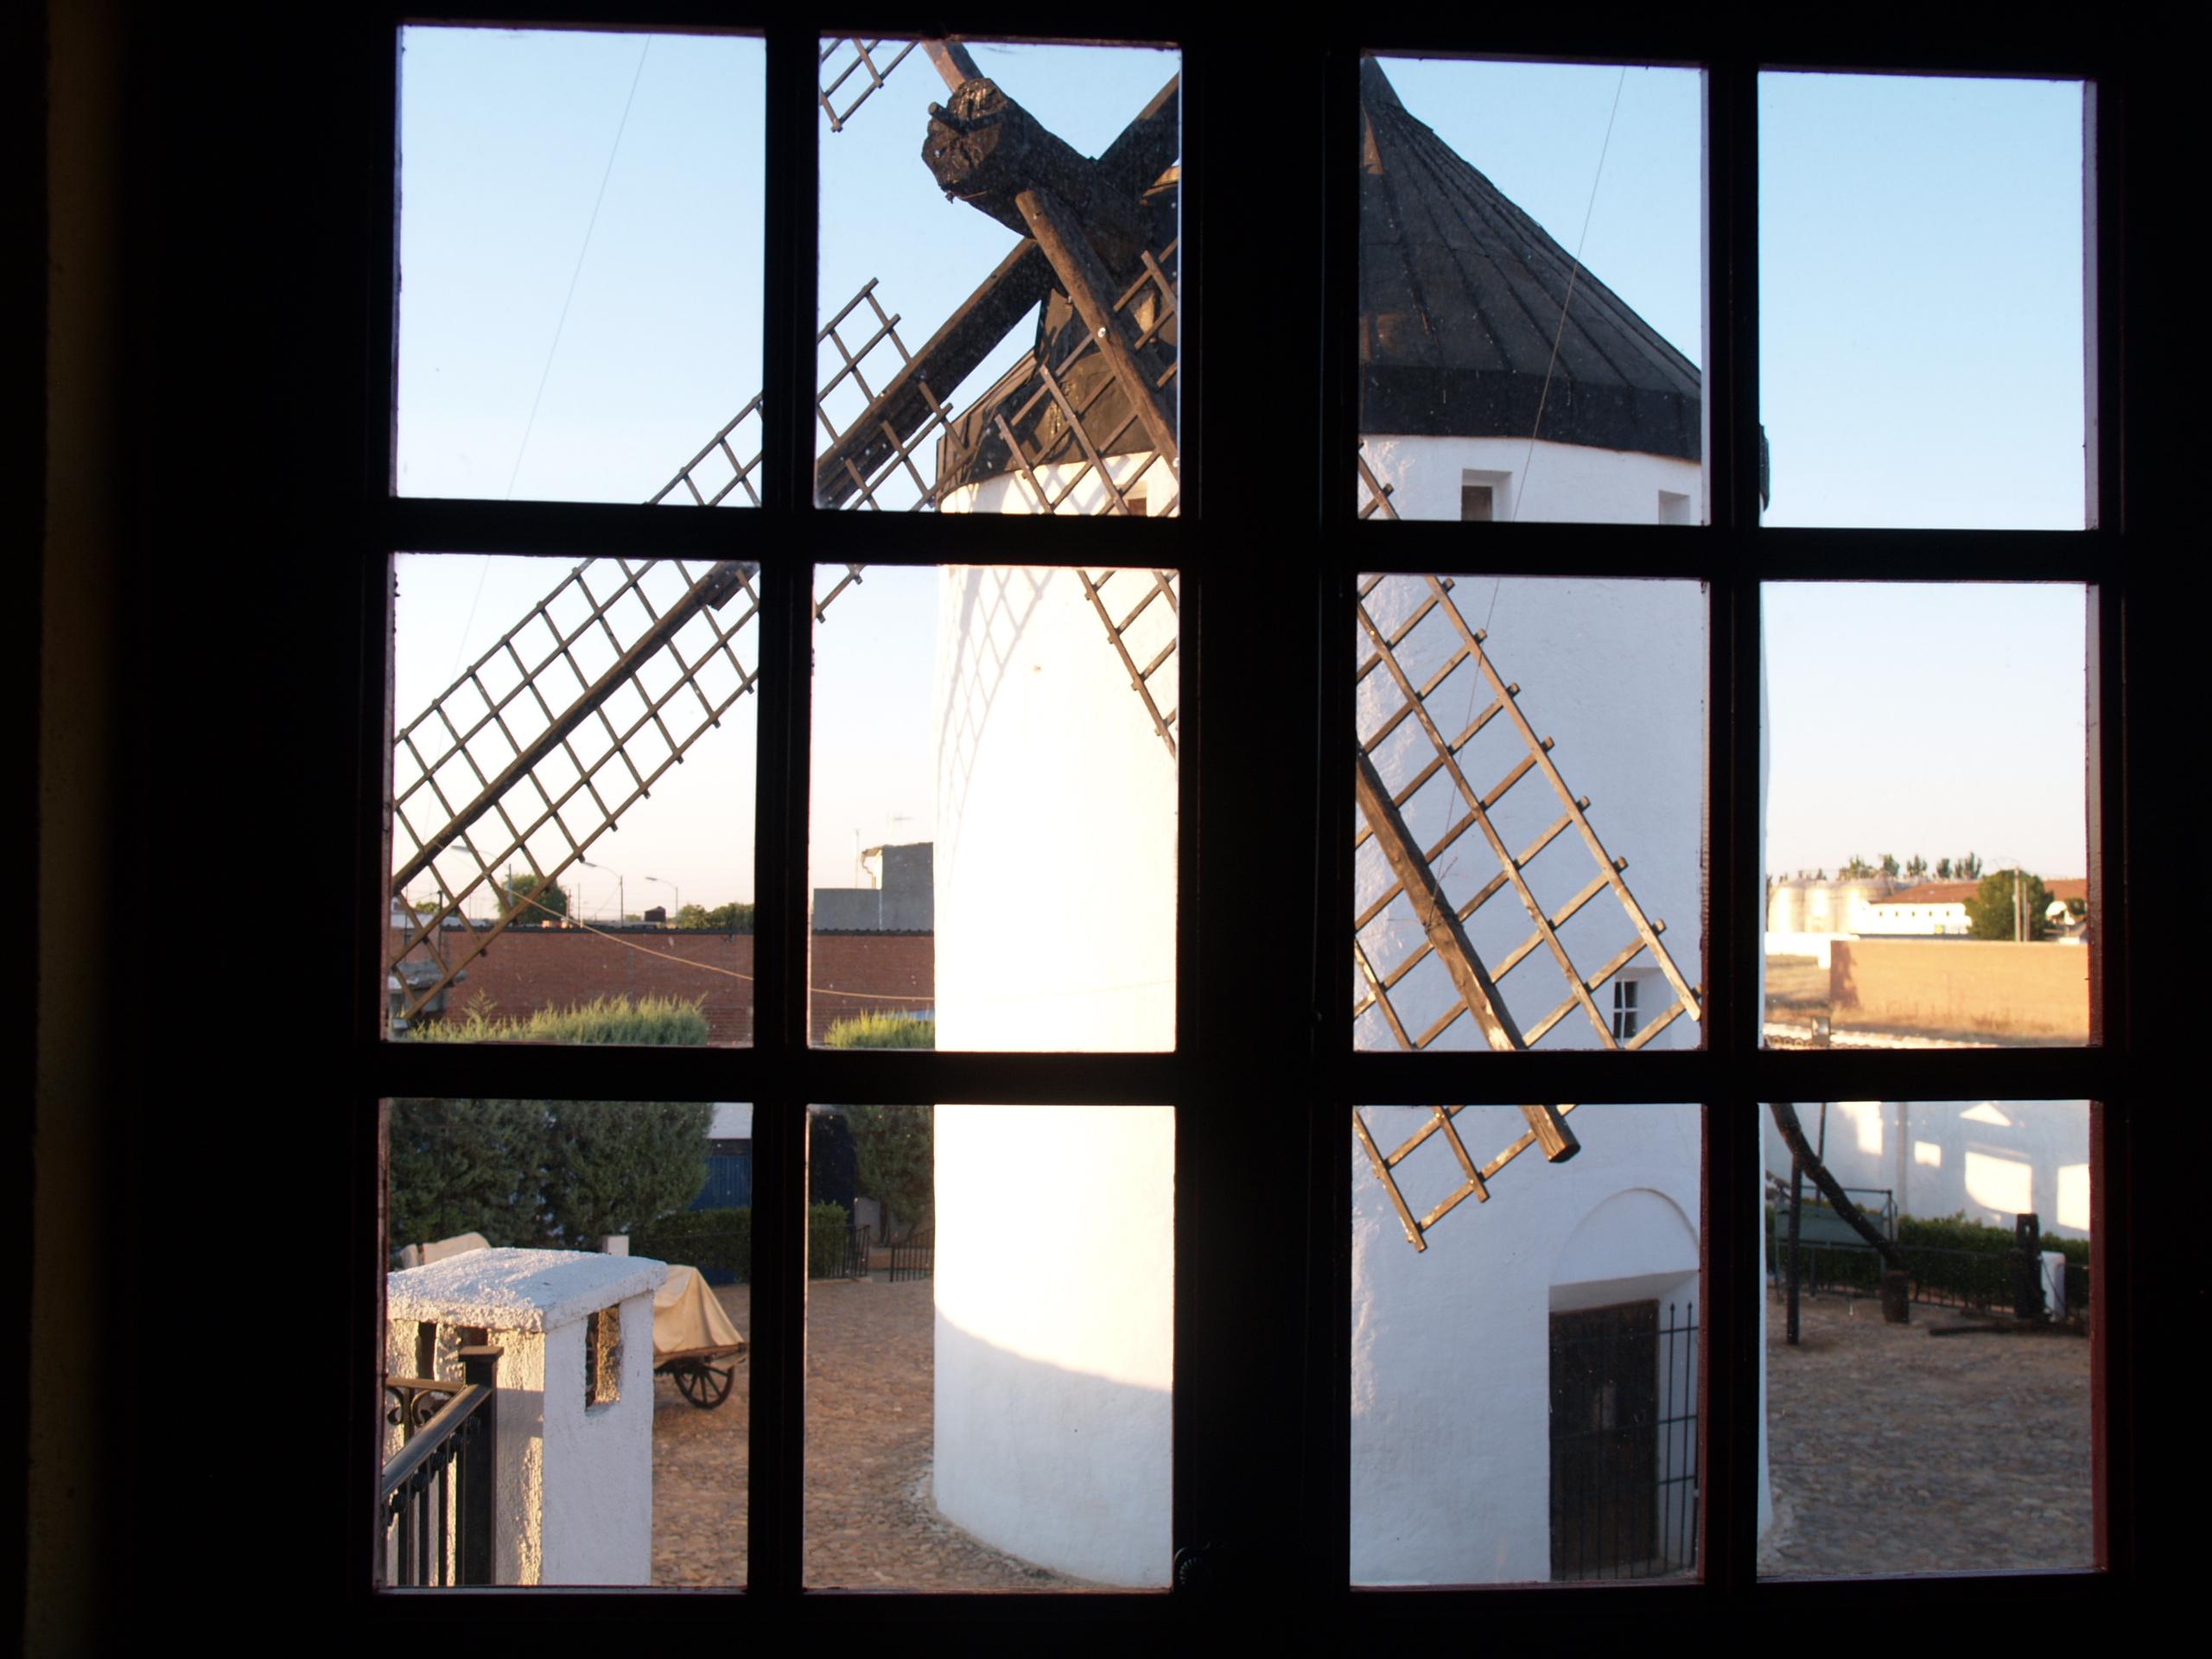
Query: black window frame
column 1263, row 1079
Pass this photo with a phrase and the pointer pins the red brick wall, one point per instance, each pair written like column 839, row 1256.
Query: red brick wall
column 526, row 970
column 1961, row 987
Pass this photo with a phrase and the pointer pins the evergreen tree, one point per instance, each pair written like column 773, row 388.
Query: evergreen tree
column 549, row 1173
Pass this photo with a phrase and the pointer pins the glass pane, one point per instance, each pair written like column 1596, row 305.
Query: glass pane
column 1520, row 847
column 1969, row 1220
column 1524, row 1365
column 1926, row 847
column 1920, row 300
column 540, row 706
column 987, row 1409
column 568, row 1253
column 995, row 762
column 580, row 241
column 998, row 311
column 1531, row 292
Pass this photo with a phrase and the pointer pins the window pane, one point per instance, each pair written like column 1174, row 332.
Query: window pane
column 1870, row 1464
column 580, row 1242
column 1926, row 848
column 995, row 774
column 988, row 1396
column 1531, row 292
column 998, row 312
column 580, row 247
column 540, row 706
column 1524, row 1365
column 1920, row 300
column 1522, row 848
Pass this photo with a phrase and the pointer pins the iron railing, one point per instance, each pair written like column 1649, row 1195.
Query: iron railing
column 914, row 1257
column 436, row 1493
column 1971, row 1280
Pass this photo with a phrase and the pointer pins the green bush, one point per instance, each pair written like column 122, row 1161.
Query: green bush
column 651, row 1021
column 1949, row 1254
column 710, row 1240
column 721, row 1240
column 883, row 1030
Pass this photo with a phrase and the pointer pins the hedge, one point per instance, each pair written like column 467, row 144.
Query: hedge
column 721, row 1240
column 1950, row 1255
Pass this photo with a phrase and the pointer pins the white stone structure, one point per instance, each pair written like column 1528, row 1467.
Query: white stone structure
column 1055, row 881
column 1055, row 841
column 1452, row 1347
column 1988, row 1160
column 575, row 1480
column 1535, row 483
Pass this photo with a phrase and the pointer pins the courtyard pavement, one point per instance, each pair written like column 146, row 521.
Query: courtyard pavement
column 1893, row 1451
column 870, row 1524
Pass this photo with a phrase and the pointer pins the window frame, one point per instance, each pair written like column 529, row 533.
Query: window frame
column 1248, row 963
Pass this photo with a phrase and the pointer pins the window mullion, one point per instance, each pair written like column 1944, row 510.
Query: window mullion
column 776, row 1475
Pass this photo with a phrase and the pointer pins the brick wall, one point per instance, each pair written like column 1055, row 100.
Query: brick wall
column 526, row 970
column 1961, row 987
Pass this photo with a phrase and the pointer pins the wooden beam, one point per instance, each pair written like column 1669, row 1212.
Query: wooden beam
column 1085, row 278
column 952, row 62
column 1439, row 920
column 965, row 338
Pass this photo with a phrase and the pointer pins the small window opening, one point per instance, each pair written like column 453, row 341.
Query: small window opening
column 603, row 1357
column 1626, row 1018
column 1475, row 504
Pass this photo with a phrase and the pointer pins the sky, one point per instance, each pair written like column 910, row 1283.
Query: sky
column 581, row 241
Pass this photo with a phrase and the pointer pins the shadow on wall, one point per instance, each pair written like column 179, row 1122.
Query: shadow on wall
column 995, row 605
column 1064, row 1468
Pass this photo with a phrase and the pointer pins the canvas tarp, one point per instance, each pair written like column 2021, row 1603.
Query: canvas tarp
column 687, row 1316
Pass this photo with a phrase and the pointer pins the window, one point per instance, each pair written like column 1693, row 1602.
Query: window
column 1261, row 1086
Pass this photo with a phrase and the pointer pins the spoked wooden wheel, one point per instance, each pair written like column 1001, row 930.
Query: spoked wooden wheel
column 706, row 1386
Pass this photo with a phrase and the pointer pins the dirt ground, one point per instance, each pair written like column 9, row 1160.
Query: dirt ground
column 870, row 1523
column 1891, row 1451
column 1894, row 1450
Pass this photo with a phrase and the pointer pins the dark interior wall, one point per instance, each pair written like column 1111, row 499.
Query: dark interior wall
column 191, row 696
column 204, row 270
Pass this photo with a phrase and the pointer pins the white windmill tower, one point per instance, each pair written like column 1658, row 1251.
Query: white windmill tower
column 1055, row 711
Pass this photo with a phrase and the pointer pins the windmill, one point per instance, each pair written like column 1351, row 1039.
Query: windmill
column 570, row 719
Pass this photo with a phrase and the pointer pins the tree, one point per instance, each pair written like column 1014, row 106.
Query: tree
column 732, row 917
column 550, row 1174
column 1942, row 869
column 1916, row 868
column 1858, row 870
column 536, row 900
column 1890, row 866
column 1990, row 912
column 894, row 1146
column 1968, row 869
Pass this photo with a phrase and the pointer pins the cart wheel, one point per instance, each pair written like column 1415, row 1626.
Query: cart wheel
column 705, row 1386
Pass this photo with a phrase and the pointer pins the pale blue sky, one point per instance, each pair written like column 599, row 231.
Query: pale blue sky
column 1921, row 349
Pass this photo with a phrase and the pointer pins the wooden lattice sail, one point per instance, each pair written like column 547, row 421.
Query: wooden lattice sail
column 1428, row 691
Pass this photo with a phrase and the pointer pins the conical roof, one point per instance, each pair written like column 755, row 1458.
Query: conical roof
column 1459, row 298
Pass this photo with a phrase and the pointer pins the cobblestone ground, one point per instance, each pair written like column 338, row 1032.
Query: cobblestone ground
column 1892, row 1451
column 870, row 1521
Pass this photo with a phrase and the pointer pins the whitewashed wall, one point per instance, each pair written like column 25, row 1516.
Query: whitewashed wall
column 1986, row 1160
column 573, row 1487
column 1535, row 483
column 1055, row 930
column 1451, row 1347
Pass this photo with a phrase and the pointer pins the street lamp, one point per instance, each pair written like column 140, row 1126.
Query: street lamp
column 621, row 906
column 672, row 887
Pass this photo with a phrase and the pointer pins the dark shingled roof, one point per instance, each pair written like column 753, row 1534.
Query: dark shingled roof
column 1459, row 296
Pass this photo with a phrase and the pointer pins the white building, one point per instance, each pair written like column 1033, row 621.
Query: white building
column 1055, row 885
